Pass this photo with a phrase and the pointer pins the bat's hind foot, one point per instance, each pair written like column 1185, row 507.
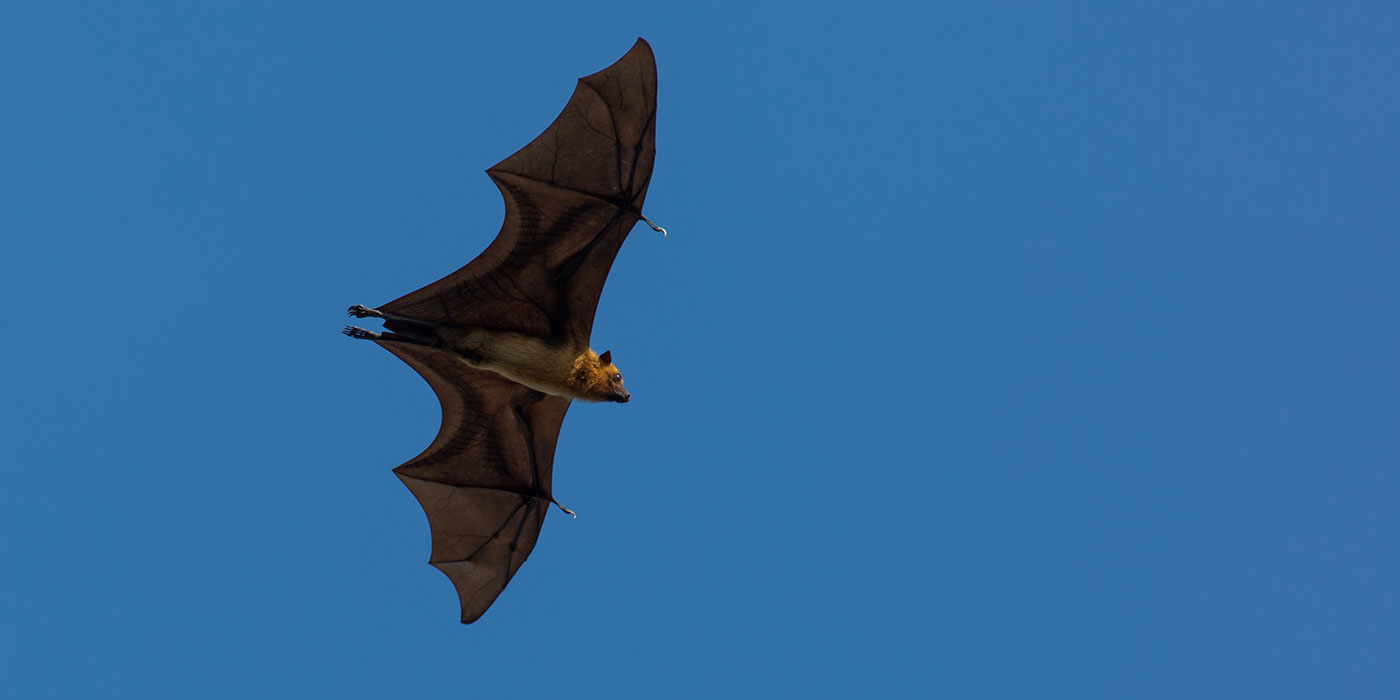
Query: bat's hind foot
column 361, row 311
column 408, row 338
column 362, row 334
column 404, row 322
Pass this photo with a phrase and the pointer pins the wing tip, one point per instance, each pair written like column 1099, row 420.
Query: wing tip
column 640, row 52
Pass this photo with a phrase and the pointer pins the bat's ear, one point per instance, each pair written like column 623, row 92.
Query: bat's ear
column 606, row 357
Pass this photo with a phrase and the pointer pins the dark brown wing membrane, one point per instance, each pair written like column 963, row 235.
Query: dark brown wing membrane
column 484, row 482
column 572, row 195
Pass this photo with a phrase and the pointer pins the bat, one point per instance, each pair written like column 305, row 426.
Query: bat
column 504, row 341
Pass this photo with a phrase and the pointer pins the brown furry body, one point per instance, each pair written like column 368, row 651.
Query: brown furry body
column 559, row 370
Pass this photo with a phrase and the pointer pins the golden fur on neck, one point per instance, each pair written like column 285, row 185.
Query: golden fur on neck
column 589, row 379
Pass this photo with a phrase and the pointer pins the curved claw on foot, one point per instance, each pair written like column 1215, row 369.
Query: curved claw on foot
column 361, row 311
column 654, row 227
column 357, row 332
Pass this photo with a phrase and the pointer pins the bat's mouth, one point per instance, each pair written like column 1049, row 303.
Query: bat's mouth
column 622, row 397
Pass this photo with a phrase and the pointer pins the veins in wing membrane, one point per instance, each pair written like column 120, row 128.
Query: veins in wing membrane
column 524, row 503
column 508, row 281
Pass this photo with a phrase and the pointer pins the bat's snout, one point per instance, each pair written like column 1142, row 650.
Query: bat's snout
column 623, row 397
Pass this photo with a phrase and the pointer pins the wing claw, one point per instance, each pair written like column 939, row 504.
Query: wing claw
column 561, row 507
column 654, row 227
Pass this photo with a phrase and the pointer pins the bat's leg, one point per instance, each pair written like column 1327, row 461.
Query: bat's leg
column 561, row 507
column 654, row 227
column 411, row 339
column 361, row 311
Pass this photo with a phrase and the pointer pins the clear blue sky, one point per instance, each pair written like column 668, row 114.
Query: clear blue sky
column 997, row 351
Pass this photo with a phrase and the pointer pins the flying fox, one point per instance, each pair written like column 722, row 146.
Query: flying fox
column 504, row 341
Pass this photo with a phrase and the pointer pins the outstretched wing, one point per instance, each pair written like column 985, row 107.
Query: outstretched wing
column 484, row 482
column 572, row 195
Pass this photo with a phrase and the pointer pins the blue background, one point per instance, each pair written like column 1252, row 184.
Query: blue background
column 997, row 351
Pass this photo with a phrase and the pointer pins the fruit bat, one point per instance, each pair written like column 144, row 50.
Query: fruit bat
column 504, row 341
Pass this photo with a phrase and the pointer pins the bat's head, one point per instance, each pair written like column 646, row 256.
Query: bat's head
column 608, row 387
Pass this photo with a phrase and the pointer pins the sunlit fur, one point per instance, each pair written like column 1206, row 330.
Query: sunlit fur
column 593, row 379
column 556, row 370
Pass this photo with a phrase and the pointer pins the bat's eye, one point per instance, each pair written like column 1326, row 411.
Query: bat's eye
column 617, row 377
